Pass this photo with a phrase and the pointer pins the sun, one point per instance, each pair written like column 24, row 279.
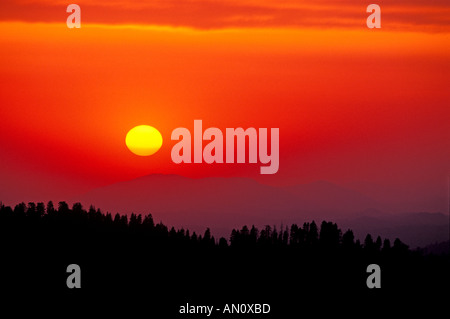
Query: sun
column 144, row 140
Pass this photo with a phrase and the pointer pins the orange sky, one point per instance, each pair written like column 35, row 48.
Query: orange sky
column 351, row 103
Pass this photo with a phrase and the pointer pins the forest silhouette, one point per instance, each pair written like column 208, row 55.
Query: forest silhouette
column 118, row 253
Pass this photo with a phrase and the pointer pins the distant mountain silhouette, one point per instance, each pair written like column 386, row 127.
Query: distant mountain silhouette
column 327, row 198
column 416, row 229
column 429, row 197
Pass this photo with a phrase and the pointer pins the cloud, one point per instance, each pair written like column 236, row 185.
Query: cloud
column 413, row 15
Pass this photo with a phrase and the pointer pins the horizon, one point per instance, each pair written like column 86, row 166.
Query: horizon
column 362, row 109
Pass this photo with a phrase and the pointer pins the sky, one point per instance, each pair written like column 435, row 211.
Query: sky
column 353, row 104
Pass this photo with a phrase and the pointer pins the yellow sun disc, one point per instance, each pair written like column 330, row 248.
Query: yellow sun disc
column 144, row 140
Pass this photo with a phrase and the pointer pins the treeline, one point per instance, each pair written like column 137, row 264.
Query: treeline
column 76, row 220
column 121, row 254
column 329, row 237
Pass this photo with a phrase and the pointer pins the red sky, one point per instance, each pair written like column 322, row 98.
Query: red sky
column 403, row 15
column 352, row 104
